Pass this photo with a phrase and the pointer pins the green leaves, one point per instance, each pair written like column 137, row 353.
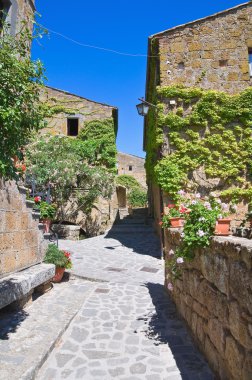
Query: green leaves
column 20, row 108
column 207, row 130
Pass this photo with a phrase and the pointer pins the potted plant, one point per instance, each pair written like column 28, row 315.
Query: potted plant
column 175, row 217
column 222, row 227
column 47, row 212
column 60, row 258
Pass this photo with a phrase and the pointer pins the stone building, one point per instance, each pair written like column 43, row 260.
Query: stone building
column 16, row 11
column 70, row 113
column 132, row 165
column 213, row 53
column 22, row 243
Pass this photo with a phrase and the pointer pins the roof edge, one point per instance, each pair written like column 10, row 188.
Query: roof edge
column 202, row 19
column 81, row 97
column 132, row 155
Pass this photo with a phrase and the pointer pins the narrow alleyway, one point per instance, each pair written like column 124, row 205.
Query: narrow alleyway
column 127, row 328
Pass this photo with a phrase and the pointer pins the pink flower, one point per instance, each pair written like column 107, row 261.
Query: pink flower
column 198, row 195
column 170, row 286
column 181, row 192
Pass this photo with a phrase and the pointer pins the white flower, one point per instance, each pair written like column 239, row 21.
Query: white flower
column 198, row 195
column 202, row 219
column 180, row 260
column 170, row 286
column 171, row 252
column 218, row 201
column 220, row 216
column 200, row 233
column 182, row 234
column 194, row 202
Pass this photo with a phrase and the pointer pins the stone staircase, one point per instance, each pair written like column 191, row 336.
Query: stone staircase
column 135, row 222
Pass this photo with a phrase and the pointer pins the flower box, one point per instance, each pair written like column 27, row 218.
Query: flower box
column 177, row 222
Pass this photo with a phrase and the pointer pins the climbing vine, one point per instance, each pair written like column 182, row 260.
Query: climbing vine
column 207, row 130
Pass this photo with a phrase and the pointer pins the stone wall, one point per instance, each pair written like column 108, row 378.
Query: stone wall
column 19, row 11
column 214, row 296
column 132, row 165
column 68, row 105
column 211, row 53
column 21, row 242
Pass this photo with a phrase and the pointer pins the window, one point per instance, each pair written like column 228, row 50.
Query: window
column 72, row 127
column 130, row 168
column 4, row 9
column 223, row 62
column 250, row 61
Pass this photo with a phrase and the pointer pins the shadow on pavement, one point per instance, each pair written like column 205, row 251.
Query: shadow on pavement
column 135, row 237
column 10, row 321
column 168, row 328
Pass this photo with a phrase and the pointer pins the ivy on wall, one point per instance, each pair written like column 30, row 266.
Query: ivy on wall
column 207, row 130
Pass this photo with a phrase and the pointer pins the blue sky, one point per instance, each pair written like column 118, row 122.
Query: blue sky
column 115, row 24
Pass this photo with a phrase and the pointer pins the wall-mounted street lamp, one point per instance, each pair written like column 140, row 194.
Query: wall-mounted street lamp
column 143, row 107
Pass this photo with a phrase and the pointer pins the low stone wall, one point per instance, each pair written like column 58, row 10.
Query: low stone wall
column 21, row 242
column 214, row 296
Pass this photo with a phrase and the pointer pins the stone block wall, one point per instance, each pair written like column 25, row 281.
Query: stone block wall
column 211, row 53
column 214, row 296
column 125, row 161
column 70, row 105
column 21, row 242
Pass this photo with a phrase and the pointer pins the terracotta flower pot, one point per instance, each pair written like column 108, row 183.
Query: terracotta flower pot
column 47, row 224
column 177, row 222
column 222, row 227
column 58, row 274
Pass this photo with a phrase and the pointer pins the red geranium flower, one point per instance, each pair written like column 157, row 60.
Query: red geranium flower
column 170, row 205
column 37, row 199
column 160, row 223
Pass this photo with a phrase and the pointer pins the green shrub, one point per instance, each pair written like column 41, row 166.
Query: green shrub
column 137, row 198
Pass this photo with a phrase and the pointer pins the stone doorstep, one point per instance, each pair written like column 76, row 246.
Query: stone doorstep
column 18, row 286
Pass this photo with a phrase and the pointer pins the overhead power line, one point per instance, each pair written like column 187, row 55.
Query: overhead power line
column 96, row 47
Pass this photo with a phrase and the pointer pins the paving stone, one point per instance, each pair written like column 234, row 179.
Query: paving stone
column 115, row 372
column 62, row 359
column 137, row 368
column 79, row 334
column 128, row 328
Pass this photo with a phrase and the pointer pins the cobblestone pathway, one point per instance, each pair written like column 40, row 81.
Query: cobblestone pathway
column 127, row 328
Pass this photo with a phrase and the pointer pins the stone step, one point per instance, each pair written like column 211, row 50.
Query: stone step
column 124, row 228
column 28, row 337
column 132, row 221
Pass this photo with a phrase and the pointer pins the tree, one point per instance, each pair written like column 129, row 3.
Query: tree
column 20, row 109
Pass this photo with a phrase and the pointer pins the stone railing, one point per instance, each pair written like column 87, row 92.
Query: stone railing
column 214, row 296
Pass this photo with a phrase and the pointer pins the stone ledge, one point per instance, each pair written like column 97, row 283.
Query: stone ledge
column 16, row 286
column 235, row 240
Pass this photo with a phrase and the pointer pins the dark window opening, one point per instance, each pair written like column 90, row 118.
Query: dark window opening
column 4, row 9
column 130, row 168
column 181, row 66
column 250, row 61
column 223, row 62
column 72, row 127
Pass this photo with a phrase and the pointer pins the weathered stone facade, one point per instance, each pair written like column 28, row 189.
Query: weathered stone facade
column 69, row 106
column 18, row 11
column 214, row 297
column 21, row 241
column 132, row 165
column 212, row 52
